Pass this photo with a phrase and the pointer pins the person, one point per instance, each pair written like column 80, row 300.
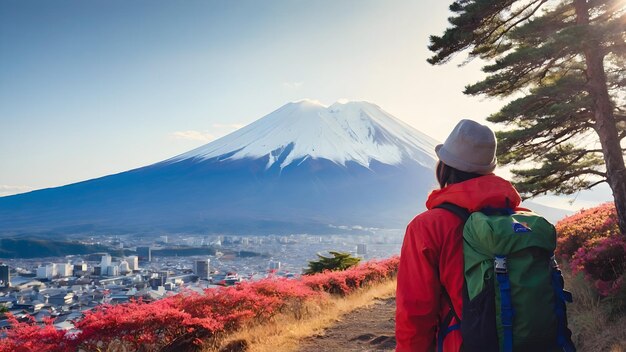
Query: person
column 429, row 292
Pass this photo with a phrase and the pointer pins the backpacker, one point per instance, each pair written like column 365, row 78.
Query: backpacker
column 513, row 297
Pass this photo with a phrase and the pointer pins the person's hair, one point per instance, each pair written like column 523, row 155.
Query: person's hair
column 447, row 175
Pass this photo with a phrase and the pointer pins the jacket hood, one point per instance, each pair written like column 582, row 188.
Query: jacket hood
column 477, row 193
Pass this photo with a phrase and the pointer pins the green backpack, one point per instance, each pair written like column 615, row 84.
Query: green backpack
column 513, row 293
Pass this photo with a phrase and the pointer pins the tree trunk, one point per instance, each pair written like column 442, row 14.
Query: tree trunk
column 605, row 124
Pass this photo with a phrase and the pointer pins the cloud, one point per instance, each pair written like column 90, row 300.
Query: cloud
column 7, row 190
column 193, row 136
column 217, row 130
column 293, row 85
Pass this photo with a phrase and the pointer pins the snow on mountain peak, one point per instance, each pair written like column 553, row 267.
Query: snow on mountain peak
column 355, row 131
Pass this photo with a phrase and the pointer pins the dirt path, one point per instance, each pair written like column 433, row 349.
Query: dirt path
column 365, row 329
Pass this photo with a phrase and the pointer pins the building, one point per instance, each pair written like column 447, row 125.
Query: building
column 5, row 276
column 106, row 261
column 112, row 270
column 97, row 270
column 201, row 268
column 47, row 272
column 144, row 254
column 80, row 269
column 31, row 307
column 124, row 267
column 163, row 273
column 61, row 299
column 65, row 269
column 155, row 282
column 274, row 265
column 361, row 249
column 133, row 262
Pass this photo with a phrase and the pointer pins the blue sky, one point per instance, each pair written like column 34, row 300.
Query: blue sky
column 90, row 88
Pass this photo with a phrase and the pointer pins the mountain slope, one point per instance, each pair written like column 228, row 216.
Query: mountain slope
column 355, row 131
column 303, row 167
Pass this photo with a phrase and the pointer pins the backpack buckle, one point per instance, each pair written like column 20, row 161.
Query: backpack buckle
column 500, row 265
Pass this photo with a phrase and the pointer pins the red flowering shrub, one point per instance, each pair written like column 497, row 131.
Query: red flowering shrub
column 593, row 244
column 190, row 316
column 345, row 282
column 583, row 228
column 26, row 337
column 604, row 263
column 142, row 326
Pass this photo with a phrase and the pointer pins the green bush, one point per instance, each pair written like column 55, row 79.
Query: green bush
column 338, row 261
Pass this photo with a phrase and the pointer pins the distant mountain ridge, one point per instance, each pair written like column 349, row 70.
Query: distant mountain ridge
column 302, row 168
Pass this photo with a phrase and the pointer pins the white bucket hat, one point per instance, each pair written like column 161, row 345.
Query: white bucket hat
column 470, row 147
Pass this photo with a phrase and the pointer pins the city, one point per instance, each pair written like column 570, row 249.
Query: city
column 60, row 289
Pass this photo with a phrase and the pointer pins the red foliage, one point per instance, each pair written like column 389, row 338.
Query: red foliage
column 603, row 263
column 345, row 282
column 583, row 228
column 27, row 336
column 191, row 316
column 593, row 244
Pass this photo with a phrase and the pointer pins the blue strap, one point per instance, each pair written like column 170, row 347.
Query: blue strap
column 506, row 307
column 441, row 335
column 452, row 328
column 560, row 297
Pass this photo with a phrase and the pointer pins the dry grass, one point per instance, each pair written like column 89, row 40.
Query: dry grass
column 283, row 332
column 598, row 325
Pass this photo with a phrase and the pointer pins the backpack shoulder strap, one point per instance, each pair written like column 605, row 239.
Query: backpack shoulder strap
column 461, row 212
column 444, row 327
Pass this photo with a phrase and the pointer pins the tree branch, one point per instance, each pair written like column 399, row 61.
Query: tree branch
column 493, row 30
column 596, row 183
column 501, row 36
column 589, row 171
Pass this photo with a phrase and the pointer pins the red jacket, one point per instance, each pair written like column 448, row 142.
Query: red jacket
column 432, row 257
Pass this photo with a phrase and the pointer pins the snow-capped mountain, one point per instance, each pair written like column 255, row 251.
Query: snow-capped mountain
column 358, row 132
column 303, row 167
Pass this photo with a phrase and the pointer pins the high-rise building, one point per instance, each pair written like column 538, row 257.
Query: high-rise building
column 361, row 249
column 201, row 268
column 112, row 270
column 65, row 269
column 47, row 272
column 133, row 262
column 106, row 261
column 144, row 254
column 5, row 276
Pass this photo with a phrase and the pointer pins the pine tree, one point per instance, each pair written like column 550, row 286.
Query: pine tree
column 563, row 65
column 338, row 261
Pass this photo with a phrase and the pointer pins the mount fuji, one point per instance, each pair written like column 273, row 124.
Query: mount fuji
column 305, row 167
